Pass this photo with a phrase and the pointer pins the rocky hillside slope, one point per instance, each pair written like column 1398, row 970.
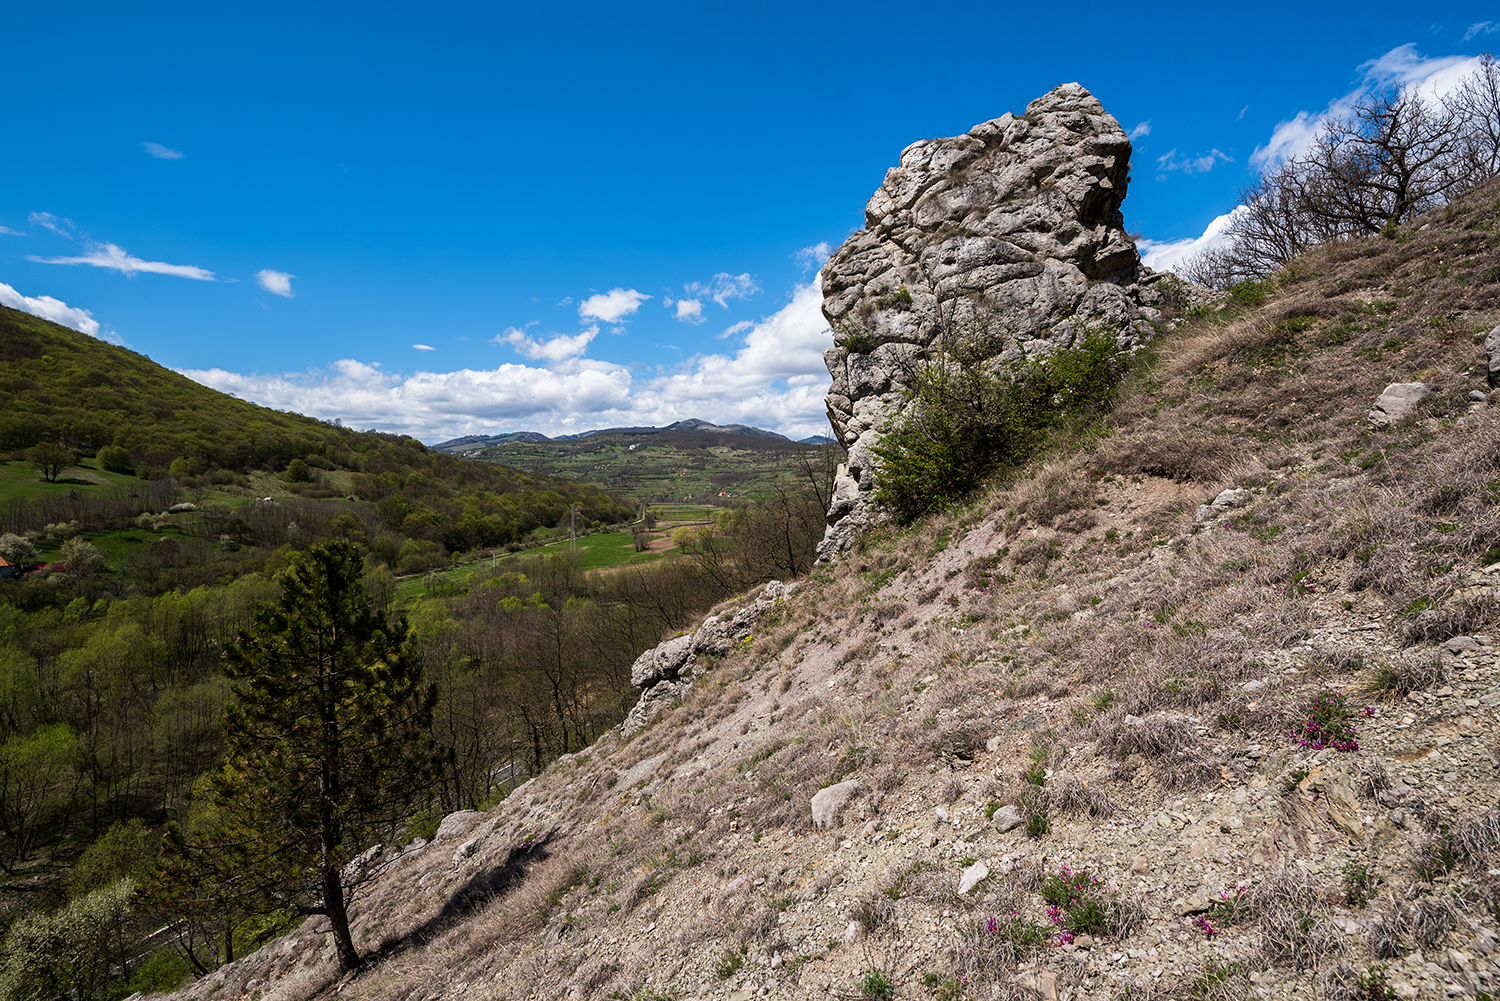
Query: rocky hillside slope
column 1202, row 706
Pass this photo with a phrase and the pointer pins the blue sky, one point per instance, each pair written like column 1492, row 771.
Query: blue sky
column 451, row 219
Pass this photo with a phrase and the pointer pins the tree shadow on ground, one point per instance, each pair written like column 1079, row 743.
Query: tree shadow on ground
column 480, row 890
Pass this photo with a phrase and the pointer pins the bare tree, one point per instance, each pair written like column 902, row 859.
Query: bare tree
column 1390, row 160
column 1270, row 226
column 1476, row 104
column 1395, row 156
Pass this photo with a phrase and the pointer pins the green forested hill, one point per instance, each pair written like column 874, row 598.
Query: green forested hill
column 61, row 386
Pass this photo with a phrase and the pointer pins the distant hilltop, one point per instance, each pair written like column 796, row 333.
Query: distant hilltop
column 471, row 443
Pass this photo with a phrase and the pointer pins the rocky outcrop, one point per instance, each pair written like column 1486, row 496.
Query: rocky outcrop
column 664, row 673
column 1012, row 231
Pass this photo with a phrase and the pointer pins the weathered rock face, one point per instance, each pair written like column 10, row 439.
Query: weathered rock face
column 665, row 672
column 1012, row 230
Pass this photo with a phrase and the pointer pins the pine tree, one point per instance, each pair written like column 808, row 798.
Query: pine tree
column 327, row 749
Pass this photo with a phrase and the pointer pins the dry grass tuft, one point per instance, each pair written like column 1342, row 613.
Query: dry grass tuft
column 1294, row 930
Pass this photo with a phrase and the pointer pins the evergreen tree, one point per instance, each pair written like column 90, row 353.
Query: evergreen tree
column 327, row 750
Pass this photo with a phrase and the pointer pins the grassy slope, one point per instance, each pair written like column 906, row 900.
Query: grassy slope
column 1077, row 618
column 662, row 467
column 60, row 385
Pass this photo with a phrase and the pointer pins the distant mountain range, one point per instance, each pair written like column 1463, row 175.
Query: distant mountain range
column 473, row 443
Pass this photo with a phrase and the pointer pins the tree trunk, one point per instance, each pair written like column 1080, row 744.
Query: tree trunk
column 333, row 906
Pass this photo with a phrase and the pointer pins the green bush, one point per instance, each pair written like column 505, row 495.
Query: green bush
column 967, row 417
column 114, row 459
column 67, row 954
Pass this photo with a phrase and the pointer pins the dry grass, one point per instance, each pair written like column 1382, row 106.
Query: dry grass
column 1293, row 929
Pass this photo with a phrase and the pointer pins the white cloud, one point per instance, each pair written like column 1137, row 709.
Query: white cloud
column 49, row 221
column 723, row 287
column 1402, row 67
column 1141, row 130
column 1166, row 255
column 7, row 231
column 611, row 306
column 424, row 347
column 57, row 311
column 559, row 348
column 1242, row 112
column 689, row 311
column 735, row 328
column 815, row 256
column 1194, row 164
column 275, row 282
column 1482, row 28
column 107, row 255
column 776, row 379
column 161, row 152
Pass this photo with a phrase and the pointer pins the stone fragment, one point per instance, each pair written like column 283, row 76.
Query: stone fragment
column 827, row 803
column 1397, row 402
column 1459, row 644
column 1492, row 346
column 971, row 877
column 1007, row 819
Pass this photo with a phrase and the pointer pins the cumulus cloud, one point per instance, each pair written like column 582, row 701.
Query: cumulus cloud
column 57, row 311
column 1192, row 164
column 1402, row 67
column 424, row 347
column 49, row 221
column 775, row 378
column 612, row 306
column 162, row 152
column 107, row 255
column 1140, row 131
column 1165, row 255
column 7, row 231
column 275, row 282
column 689, row 311
column 723, row 287
column 815, row 256
column 558, row 348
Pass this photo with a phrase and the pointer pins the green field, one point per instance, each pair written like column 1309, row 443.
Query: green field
column 18, row 480
column 596, row 552
column 664, row 467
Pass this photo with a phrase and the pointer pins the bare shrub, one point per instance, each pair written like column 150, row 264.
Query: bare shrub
column 1371, row 780
column 953, row 791
column 1414, row 671
column 1293, row 929
column 1465, row 616
column 1429, row 919
column 873, row 910
column 1055, row 491
column 1386, row 929
column 885, row 611
column 1476, row 841
column 1155, row 736
column 1074, row 797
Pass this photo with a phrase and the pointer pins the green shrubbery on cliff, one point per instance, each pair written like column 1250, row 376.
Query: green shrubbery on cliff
column 967, row 417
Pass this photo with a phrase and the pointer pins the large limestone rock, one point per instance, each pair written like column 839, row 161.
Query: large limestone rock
column 664, row 673
column 1013, row 230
